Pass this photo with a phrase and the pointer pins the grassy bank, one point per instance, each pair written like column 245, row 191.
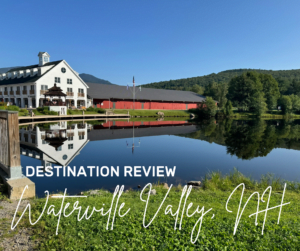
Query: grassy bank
column 216, row 234
column 153, row 113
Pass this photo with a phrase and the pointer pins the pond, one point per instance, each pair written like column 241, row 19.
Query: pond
column 255, row 148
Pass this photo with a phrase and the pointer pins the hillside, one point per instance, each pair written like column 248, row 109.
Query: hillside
column 282, row 76
column 92, row 79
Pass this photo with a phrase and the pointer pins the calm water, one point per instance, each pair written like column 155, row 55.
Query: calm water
column 254, row 147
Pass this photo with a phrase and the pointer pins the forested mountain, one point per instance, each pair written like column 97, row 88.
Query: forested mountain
column 283, row 77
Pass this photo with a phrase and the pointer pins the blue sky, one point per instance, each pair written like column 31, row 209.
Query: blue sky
column 153, row 40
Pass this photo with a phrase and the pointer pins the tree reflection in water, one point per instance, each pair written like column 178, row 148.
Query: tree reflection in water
column 248, row 139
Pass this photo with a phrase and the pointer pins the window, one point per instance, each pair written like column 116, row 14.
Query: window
column 70, row 146
column 44, row 87
column 69, row 90
column 70, row 138
column 69, row 81
column 80, row 90
column 58, row 148
column 11, row 88
column 44, row 142
column 5, row 89
column 18, row 88
column 81, row 137
column 32, row 87
column 57, row 80
column 24, row 88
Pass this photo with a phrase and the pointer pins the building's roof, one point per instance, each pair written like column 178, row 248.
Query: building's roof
column 55, row 91
column 107, row 134
column 102, row 91
column 28, row 79
column 34, row 66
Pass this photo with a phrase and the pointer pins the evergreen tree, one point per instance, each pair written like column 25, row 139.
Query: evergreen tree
column 228, row 108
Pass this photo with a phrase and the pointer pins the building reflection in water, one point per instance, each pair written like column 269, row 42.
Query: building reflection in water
column 59, row 143
column 53, row 143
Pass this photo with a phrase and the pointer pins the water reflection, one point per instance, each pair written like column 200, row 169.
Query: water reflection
column 170, row 143
column 53, row 143
column 252, row 138
column 59, row 143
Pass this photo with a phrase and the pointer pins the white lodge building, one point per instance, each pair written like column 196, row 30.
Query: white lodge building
column 25, row 86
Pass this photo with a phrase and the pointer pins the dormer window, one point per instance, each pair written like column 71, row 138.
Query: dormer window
column 46, row 59
column 31, row 72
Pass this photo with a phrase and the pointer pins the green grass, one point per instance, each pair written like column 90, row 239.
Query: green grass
column 153, row 113
column 216, row 233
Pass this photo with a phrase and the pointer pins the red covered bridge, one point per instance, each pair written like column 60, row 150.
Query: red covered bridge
column 119, row 97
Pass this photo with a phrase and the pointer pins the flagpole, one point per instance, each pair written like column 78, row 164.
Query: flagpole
column 133, row 93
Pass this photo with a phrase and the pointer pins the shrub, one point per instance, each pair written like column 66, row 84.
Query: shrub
column 24, row 111
column 90, row 109
column 13, row 108
column 52, row 113
column 2, row 107
column 99, row 110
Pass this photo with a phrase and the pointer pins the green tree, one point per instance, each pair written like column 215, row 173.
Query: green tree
column 211, row 89
column 197, row 89
column 295, row 102
column 286, row 104
column 222, row 90
column 270, row 89
column 228, row 108
column 242, row 88
column 208, row 108
column 258, row 103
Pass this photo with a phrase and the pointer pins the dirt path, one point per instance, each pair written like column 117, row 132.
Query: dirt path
column 19, row 238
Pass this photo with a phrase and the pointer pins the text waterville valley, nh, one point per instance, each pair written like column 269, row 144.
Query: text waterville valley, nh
column 103, row 171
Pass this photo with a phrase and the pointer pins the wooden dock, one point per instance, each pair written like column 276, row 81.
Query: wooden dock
column 72, row 117
column 10, row 162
